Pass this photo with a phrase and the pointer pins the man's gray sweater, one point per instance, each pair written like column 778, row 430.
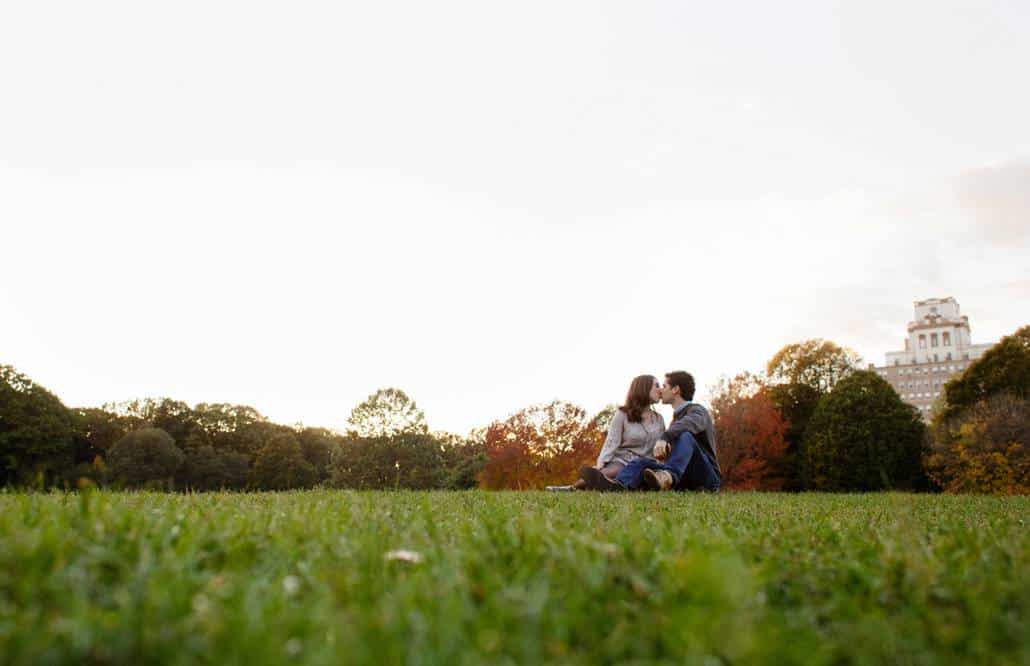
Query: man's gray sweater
column 696, row 420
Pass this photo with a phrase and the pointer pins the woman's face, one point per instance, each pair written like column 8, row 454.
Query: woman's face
column 656, row 392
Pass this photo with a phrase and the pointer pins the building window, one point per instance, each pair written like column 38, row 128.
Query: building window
column 949, row 357
column 933, row 339
column 947, row 338
column 922, row 342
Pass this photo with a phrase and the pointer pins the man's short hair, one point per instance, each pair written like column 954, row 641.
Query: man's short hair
column 684, row 380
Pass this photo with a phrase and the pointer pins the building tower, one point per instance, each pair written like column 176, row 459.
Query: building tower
column 938, row 347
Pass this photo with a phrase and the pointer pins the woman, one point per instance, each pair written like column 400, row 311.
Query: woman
column 633, row 430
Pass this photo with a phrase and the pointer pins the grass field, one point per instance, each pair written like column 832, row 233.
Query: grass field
column 305, row 577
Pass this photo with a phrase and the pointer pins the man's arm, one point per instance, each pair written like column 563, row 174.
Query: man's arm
column 694, row 420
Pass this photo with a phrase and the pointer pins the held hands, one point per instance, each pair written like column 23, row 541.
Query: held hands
column 661, row 449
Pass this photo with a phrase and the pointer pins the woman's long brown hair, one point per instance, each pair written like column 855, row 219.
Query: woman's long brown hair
column 638, row 399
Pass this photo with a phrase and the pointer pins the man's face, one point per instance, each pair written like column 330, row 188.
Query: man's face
column 669, row 393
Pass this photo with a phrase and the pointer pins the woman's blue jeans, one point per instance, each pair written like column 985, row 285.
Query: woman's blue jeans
column 688, row 464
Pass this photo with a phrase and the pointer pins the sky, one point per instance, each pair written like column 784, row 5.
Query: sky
column 494, row 205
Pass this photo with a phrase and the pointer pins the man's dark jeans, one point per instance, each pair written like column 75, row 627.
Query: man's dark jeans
column 688, row 464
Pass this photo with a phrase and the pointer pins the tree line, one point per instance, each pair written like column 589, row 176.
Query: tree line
column 811, row 421
column 168, row 444
column 815, row 421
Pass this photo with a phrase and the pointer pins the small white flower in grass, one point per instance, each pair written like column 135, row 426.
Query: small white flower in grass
column 409, row 556
column 201, row 604
column 291, row 584
column 293, row 647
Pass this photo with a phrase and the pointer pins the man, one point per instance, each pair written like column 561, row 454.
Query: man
column 685, row 457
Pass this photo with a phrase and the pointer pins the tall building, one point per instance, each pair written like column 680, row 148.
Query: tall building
column 938, row 347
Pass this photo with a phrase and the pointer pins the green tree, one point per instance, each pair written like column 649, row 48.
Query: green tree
column 280, row 465
column 96, row 432
column 863, row 437
column 817, row 363
column 1004, row 368
column 173, row 416
column 100, row 428
column 146, row 457
column 251, row 438
column 796, row 403
column 797, row 377
column 209, row 469
column 317, row 445
column 463, row 459
column 407, row 460
column 36, row 431
column 385, row 413
column 229, row 427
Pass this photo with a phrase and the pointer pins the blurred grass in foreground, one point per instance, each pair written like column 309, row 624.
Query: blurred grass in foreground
column 305, row 577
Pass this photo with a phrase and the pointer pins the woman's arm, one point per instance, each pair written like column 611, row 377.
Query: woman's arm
column 614, row 439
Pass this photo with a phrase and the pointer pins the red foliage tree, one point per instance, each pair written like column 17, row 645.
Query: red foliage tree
column 751, row 435
column 538, row 446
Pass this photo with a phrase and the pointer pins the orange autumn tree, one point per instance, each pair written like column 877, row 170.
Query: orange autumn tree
column 538, row 446
column 751, row 434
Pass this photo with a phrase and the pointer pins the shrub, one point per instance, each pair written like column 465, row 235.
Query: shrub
column 863, row 437
column 146, row 457
column 986, row 449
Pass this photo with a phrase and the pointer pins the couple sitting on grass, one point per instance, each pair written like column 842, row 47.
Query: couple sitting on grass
column 640, row 453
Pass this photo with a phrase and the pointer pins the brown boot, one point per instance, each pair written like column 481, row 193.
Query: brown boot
column 657, row 479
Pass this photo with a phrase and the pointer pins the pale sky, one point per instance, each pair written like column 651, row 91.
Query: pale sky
column 490, row 205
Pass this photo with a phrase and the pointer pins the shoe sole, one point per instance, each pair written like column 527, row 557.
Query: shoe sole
column 651, row 480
